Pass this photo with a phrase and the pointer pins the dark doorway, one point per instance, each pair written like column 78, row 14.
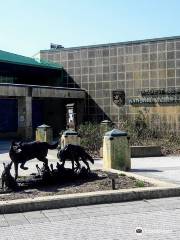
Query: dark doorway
column 8, row 115
column 55, row 114
column 37, row 112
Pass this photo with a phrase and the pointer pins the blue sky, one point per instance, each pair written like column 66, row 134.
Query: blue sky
column 28, row 26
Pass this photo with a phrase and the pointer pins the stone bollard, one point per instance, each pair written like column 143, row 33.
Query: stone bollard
column 105, row 126
column 116, row 151
column 44, row 133
column 70, row 137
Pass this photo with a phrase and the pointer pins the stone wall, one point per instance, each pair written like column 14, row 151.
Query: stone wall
column 130, row 67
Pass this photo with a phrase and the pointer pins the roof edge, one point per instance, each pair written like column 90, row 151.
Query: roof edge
column 12, row 58
column 115, row 44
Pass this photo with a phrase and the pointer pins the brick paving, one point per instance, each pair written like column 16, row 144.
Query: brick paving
column 158, row 219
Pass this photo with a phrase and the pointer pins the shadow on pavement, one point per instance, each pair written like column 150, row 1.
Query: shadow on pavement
column 145, row 170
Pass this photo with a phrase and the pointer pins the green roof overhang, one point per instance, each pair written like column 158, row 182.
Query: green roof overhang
column 12, row 58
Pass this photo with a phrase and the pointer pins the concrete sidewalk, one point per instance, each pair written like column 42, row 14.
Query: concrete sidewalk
column 158, row 219
column 143, row 167
column 162, row 168
column 52, row 157
column 165, row 168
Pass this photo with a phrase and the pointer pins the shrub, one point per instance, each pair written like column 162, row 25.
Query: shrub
column 132, row 178
column 139, row 183
column 141, row 131
column 122, row 174
column 91, row 136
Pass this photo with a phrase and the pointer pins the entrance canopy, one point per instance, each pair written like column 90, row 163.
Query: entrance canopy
column 7, row 57
column 19, row 69
column 23, row 90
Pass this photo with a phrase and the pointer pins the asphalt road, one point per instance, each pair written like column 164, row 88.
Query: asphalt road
column 155, row 219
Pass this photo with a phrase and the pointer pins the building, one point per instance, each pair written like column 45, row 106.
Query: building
column 124, row 79
column 32, row 93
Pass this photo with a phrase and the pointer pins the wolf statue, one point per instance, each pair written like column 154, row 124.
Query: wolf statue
column 21, row 152
column 75, row 154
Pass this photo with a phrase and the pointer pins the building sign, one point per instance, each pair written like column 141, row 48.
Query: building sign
column 160, row 92
column 160, row 96
column 118, row 97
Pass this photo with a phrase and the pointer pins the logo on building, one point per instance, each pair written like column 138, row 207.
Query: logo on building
column 118, row 97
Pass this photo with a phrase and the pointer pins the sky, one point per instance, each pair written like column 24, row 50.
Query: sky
column 27, row 26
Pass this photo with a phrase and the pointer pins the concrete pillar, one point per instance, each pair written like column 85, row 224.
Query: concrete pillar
column 80, row 111
column 44, row 133
column 105, row 126
column 25, row 117
column 70, row 137
column 116, row 151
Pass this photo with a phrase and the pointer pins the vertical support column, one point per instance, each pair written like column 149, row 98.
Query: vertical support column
column 28, row 104
column 25, row 117
column 80, row 111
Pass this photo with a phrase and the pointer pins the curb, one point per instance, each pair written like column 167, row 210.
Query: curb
column 74, row 200
column 163, row 190
column 156, row 182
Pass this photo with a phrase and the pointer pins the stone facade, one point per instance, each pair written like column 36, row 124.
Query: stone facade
column 53, row 107
column 129, row 67
column 31, row 94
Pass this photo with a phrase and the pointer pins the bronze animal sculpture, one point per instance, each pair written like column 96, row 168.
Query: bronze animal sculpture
column 44, row 172
column 8, row 181
column 22, row 152
column 75, row 154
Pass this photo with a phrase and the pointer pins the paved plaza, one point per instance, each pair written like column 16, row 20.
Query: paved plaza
column 154, row 219
column 166, row 168
column 157, row 219
column 163, row 168
column 52, row 157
